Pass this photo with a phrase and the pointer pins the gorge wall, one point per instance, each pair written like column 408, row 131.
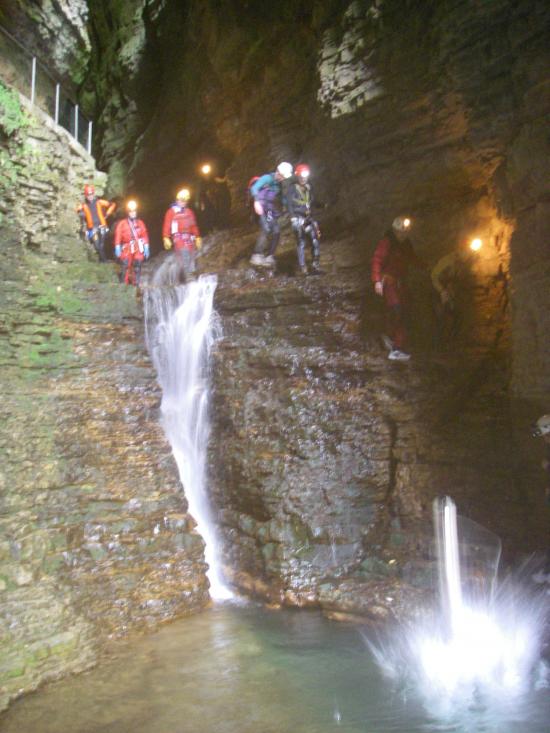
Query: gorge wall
column 324, row 457
column 95, row 540
column 438, row 109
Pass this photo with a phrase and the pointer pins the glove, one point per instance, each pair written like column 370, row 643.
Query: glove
column 167, row 242
column 258, row 208
column 198, row 242
column 379, row 288
column 146, row 251
column 118, row 250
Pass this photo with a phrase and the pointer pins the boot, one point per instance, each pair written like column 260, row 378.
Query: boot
column 257, row 259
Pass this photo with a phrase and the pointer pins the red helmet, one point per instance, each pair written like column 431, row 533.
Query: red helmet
column 89, row 190
column 302, row 170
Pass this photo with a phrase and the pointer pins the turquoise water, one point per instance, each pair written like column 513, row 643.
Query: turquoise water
column 245, row 669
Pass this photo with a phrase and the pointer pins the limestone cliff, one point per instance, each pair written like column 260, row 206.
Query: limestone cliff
column 95, row 540
column 324, row 457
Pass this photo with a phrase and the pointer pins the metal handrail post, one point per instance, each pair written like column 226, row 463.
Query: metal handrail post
column 90, row 137
column 33, row 78
column 57, row 95
column 76, row 122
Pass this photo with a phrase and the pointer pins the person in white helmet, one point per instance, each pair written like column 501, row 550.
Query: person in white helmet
column 542, row 429
column 267, row 194
column 393, row 256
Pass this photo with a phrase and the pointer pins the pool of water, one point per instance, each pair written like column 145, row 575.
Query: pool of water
column 245, row 669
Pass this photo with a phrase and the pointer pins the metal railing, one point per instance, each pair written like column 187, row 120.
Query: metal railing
column 20, row 69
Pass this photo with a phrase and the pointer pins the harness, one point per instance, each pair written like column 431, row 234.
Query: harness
column 136, row 238
column 93, row 213
column 302, row 197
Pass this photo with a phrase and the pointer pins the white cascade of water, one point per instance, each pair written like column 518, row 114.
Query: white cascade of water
column 483, row 645
column 448, row 561
column 181, row 327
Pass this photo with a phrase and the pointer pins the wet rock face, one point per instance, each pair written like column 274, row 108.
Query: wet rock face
column 325, row 457
column 438, row 109
column 57, row 32
column 95, row 539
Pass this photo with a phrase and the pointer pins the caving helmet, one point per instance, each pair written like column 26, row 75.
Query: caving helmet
column 89, row 190
column 401, row 224
column 183, row 195
column 542, row 426
column 284, row 170
column 302, row 171
column 131, row 208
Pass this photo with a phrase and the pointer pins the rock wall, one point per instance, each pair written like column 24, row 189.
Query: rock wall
column 95, row 540
column 56, row 32
column 325, row 457
column 435, row 109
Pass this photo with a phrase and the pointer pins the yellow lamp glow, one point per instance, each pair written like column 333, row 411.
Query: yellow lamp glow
column 206, row 169
column 406, row 223
column 476, row 244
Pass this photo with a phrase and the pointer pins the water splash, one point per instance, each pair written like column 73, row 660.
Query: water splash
column 180, row 329
column 479, row 653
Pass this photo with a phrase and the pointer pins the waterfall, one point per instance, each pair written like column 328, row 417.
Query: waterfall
column 448, row 561
column 181, row 327
column 482, row 647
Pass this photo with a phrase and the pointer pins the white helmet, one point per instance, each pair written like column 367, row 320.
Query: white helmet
column 285, row 170
column 401, row 224
column 542, row 426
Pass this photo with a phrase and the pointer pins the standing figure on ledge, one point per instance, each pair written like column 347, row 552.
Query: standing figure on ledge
column 299, row 201
column 392, row 258
column 180, row 230
column 450, row 276
column 131, row 245
column 93, row 213
column 267, row 195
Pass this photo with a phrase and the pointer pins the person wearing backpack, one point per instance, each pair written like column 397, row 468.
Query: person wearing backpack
column 94, row 213
column 267, row 194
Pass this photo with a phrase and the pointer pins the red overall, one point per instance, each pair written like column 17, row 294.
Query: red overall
column 390, row 265
column 181, row 226
column 132, row 236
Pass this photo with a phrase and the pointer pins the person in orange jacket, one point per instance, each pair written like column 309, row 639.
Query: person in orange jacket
column 180, row 230
column 93, row 213
column 131, row 245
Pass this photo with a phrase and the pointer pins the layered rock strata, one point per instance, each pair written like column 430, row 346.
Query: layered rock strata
column 325, row 457
column 95, row 539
